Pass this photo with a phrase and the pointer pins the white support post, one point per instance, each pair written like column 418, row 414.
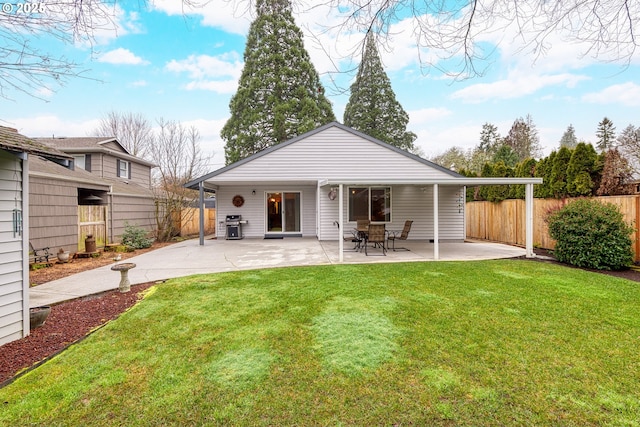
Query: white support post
column 529, row 221
column 341, row 222
column 436, row 224
column 201, row 210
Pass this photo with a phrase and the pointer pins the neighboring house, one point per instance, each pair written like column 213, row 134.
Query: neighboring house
column 104, row 189
column 297, row 188
column 16, row 152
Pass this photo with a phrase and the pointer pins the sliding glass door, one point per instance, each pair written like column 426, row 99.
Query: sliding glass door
column 283, row 212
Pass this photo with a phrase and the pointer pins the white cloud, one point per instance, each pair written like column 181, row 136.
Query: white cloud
column 428, row 114
column 139, row 83
column 121, row 56
column 625, row 94
column 114, row 23
column 232, row 17
column 207, row 72
column 515, row 86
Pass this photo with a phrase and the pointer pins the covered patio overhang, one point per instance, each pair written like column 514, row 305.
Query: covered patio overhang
column 435, row 184
column 212, row 185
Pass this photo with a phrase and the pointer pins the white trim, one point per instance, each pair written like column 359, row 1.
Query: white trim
column 26, row 327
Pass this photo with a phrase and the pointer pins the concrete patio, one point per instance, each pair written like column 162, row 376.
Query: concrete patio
column 188, row 257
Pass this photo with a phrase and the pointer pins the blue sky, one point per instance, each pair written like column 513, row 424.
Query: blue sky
column 167, row 62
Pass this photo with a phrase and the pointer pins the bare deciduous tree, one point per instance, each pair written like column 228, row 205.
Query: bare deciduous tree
column 177, row 153
column 451, row 36
column 24, row 67
column 132, row 130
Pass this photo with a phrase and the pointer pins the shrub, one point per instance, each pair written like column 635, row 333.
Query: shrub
column 591, row 234
column 136, row 237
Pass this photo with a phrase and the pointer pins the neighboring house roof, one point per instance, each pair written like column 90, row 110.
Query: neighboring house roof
column 11, row 140
column 39, row 167
column 439, row 170
column 92, row 144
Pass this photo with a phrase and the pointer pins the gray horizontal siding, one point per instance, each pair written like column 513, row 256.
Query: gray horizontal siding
column 332, row 154
column 11, row 251
column 140, row 174
column 53, row 214
column 138, row 211
column 408, row 202
column 254, row 208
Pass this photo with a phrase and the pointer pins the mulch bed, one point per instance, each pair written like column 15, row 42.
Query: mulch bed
column 68, row 322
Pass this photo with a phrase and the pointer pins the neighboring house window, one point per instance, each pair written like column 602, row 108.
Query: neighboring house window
column 79, row 161
column 372, row 203
column 124, row 169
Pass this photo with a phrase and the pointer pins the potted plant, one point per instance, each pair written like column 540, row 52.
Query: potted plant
column 63, row 256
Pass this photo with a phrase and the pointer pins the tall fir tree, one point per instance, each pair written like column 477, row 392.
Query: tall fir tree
column 490, row 139
column 279, row 94
column 606, row 135
column 372, row 107
column 569, row 139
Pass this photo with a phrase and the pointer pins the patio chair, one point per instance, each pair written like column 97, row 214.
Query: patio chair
column 376, row 236
column 362, row 224
column 393, row 236
column 40, row 255
column 353, row 237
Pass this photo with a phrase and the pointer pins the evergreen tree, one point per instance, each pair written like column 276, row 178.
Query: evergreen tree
column 524, row 169
column 581, row 165
column 543, row 170
column 279, row 94
column 569, row 139
column 558, row 176
column 606, row 135
column 372, row 107
column 523, row 138
column 506, row 155
column 490, row 139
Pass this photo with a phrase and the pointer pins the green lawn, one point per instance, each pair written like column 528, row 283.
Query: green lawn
column 439, row 343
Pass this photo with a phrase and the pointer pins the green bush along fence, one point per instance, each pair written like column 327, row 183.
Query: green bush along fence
column 505, row 221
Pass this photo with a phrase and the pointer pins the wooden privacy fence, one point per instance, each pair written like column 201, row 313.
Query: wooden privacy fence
column 505, row 221
column 92, row 220
column 189, row 221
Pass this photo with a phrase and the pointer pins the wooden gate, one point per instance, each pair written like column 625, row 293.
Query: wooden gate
column 92, row 220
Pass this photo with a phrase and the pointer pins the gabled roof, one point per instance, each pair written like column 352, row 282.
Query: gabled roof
column 92, row 144
column 194, row 183
column 85, row 142
column 11, row 140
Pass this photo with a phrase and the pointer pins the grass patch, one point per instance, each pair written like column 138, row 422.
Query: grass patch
column 469, row 343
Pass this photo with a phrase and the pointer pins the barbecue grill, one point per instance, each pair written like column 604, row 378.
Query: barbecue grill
column 234, row 226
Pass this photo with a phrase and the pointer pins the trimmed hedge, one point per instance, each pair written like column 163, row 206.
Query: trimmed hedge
column 591, row 234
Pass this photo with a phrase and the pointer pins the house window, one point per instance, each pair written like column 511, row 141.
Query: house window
column 124, row 169
column 372, row 203
column 79, row 161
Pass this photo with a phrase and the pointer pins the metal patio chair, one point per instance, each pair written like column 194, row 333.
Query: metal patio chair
column 393, row 236
column 376, row 235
